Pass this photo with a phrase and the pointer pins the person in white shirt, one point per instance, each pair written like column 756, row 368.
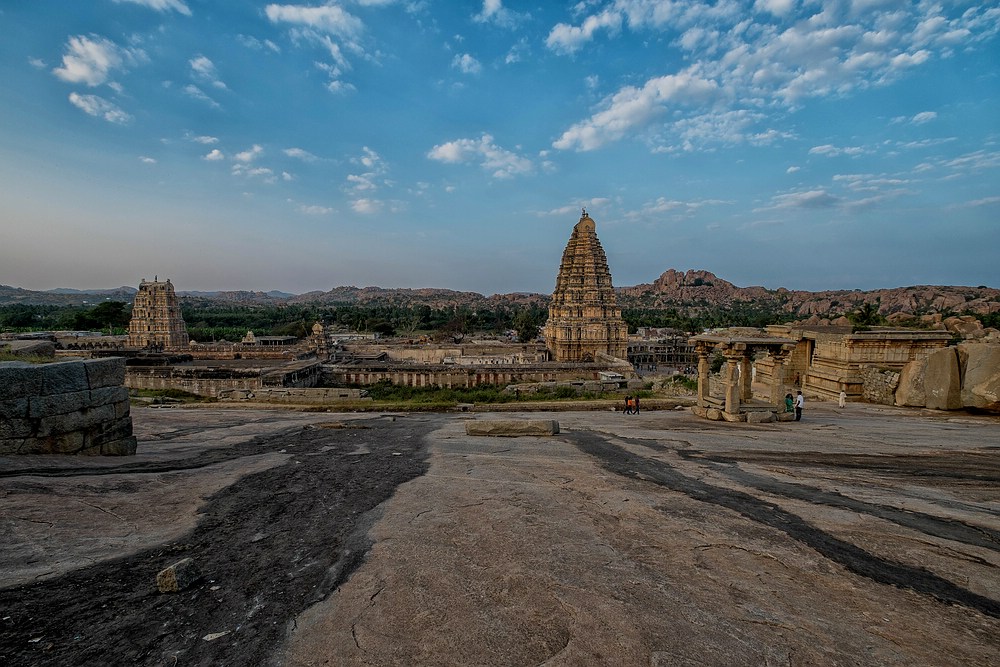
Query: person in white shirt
column 800, row 403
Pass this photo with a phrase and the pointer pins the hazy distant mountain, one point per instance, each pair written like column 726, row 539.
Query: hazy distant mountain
column 687, row 291
column 64, row 296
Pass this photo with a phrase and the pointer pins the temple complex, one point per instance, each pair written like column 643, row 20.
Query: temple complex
column 156, row 318
column 585, row 321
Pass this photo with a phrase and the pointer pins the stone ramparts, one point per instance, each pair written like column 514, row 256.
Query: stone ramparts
column 68, row 407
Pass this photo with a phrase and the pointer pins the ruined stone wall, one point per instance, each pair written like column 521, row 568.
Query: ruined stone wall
column 68, row 407
column 456, row 376
column 879, row 385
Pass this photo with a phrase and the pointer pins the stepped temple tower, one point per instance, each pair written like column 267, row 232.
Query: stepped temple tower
column 156, row 317
column 584, row 317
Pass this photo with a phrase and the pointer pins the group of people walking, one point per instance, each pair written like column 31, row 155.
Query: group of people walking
column 631, row 405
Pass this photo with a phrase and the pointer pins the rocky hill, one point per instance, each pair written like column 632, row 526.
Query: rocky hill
column 63, row 296
column 701, row 289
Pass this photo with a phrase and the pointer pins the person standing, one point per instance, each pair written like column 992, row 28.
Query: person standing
column 635, row 405
column 628, row 405
column 800, row 403
column 843, row 398
column 789, row 403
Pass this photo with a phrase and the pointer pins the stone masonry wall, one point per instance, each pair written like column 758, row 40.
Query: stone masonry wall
column 69, row 407
column 879, row 385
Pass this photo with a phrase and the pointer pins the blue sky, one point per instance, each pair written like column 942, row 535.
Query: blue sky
column 261, row 145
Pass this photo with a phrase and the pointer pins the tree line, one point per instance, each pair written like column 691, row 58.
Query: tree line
column 209, row 320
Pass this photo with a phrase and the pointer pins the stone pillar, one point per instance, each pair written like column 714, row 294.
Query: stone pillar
column 731, row 383
column 778, row 376
column 703, row 384
column 746, row 377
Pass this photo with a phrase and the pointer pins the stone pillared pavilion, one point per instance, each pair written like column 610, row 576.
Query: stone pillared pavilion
column 156, row 317
column 584, row 318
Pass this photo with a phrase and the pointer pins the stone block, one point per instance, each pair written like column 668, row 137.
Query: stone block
column 15, row 428
column 980, row 371
column 63, row 377
column 108, row 431
column 123, row 447
column 942, row 380
column 714, row 414
column 19, row 380
column 512, row 427
column 730, row 417
column 11, row 446
column 15, row 408
column 122, row 409
column 699, row 411
column 181, row 575
column 910, row 392
column 760, row 417
column 109, row 372
column 108, row 395
column 786, row 416
column 61, row 443
column 58, row 404
column 75, row 421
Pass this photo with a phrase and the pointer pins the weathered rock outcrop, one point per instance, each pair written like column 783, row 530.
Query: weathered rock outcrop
column 69, row 407
column 910, row 391
column 942, row 381
column 980, row 365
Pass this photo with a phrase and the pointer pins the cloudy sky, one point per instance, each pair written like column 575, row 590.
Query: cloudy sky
column 253, row 145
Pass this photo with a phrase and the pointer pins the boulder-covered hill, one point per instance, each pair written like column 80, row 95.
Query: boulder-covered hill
column 63, row 296
column 404, row 297
column 701, row 289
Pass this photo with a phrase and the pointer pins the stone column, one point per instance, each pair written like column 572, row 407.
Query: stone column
column 780, row 356
column 746, row 375
column 731, row 382
column 702, row 351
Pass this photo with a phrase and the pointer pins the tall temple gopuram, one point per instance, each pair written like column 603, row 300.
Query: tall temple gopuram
column 156, row 317
column 584, row 317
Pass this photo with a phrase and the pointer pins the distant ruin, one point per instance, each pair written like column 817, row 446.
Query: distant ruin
column 585, row 321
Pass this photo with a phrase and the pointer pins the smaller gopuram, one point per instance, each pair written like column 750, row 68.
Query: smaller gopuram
column 584, row 318
column 156, row 318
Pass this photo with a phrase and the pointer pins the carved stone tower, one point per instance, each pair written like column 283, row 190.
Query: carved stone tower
column 156, row 317
column 584, row 317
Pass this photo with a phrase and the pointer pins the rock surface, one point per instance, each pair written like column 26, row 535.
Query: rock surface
column 178, row 577
column 512, row 427
column 942, row 380
column 980, row 363
column 660, row 539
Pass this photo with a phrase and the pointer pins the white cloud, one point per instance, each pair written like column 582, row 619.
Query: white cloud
column 214, row 155
column 779, row 57
column 494, row 12
column 466, row 64
column 634, row 108
column 300, row 154
column 327, row 18
column 204, row 139
column 367, row 206
column 252, row 42
column 792, row 169
column 162, row 5
column 491, row 157
column 91, row 60
column 924, row 117
column 37, row 63
column 813, row 199
column 568, row 39
column 100, row 108
column 147, row 160
column 203, row 69
column 830, row 150
column 197, row 93
column 249, row 155
column 314, row 210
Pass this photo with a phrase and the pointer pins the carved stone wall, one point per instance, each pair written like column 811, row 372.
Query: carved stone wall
column 156, row 318
column 584, row 318
column 69, row 407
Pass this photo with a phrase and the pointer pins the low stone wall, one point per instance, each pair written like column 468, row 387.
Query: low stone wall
column 68, row 407
column 293, row 395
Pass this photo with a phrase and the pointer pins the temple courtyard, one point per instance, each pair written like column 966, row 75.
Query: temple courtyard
column 866, row 535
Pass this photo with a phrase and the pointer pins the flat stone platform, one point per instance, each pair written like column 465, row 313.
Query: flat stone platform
column 863, row 535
